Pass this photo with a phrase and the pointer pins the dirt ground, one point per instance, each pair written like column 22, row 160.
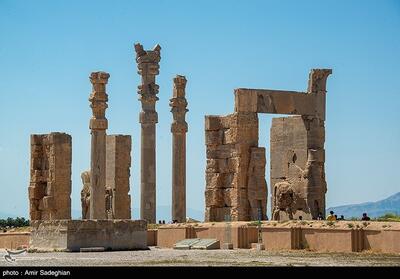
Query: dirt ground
column 170, row 257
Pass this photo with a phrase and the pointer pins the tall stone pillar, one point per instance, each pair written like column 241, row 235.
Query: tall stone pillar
column 179, row 129
column 50, row 182
column 98, row 126
column 148, row 68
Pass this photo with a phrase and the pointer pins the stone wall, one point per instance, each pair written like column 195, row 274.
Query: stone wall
column 152, row 237
column 235, row 173
column 321, row 236
column 167, row 236
column 71, row 235
column 298, row 184
column 14, row 240
column 50, row 177
column 118, row 163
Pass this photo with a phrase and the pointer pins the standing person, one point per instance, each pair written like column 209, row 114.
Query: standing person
column 365, row 217
column 331, row 216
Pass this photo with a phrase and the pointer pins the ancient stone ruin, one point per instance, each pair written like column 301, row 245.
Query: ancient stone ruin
column 236, row 189
column 98, row 126
column 50, row 179
column 298, row 183
column 148, row 68
column 179, row 129
column 85, row 194
column 235, row 172
column 118, row 163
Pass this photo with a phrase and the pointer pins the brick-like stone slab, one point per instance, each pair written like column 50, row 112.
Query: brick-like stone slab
column 72, row 235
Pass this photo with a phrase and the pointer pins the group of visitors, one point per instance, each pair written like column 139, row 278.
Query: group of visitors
column 333, row 217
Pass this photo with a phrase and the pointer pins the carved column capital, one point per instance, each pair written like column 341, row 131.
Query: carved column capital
column 148, row 68
column 178, row 105
column 98, row 99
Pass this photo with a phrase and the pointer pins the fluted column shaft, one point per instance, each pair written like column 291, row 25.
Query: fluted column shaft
column 148, row 68
column 179, row 129
column 98, row 126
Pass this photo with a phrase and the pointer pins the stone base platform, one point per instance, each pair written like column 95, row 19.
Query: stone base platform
column 73, row 235
column 321, row 236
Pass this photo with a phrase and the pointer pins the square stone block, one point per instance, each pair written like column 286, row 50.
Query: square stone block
column 73, row 235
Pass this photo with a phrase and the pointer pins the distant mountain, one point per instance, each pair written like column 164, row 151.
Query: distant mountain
column 373, row 209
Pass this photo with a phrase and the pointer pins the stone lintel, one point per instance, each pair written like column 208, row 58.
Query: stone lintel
column 279, row 102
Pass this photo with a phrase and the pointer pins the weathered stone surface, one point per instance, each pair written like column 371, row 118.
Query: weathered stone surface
column 206, row 244
column 72, row 235
column 85, row 194
column 214, row 137
column 297, row 154
column 118, row 164
column 297, row 169
column 50, row 177
column 186, row 244
column 98, row 125
column 179, row 129
column 229, row 141
column 311, row 103
column 257, row 186
column 148, row 67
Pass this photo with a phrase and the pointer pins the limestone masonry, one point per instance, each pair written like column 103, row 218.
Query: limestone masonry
column 235, row 172
column 50, row 179
column 85, row 194
column 148, row 68
column 118, row 164
column 98, row 126
column 235, row 180
column 236, row 189
column 179, row 128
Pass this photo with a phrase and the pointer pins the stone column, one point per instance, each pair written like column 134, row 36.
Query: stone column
column 98, row 126
column 148, row 68
column 179, row 129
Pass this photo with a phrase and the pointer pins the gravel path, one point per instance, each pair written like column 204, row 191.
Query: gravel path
column 170, row 257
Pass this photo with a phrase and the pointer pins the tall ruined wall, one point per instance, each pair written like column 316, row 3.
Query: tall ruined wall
column 235, row 172
column 298, row 183
column 50, row 177
column 118, row 164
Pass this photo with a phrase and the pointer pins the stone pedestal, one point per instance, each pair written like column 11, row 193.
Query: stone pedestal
column 148, row 68
column 179, row 129
column 74, row 235
column 98, row 126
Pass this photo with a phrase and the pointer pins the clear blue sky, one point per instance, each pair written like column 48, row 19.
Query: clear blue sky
column 49, row 48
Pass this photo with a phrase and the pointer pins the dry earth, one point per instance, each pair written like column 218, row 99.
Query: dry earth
column 170, row 257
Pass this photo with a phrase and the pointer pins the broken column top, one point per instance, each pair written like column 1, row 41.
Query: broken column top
column 317, row 80
column 98, row 99
column 99, row 77
column 147, row 56
column 179, row 86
